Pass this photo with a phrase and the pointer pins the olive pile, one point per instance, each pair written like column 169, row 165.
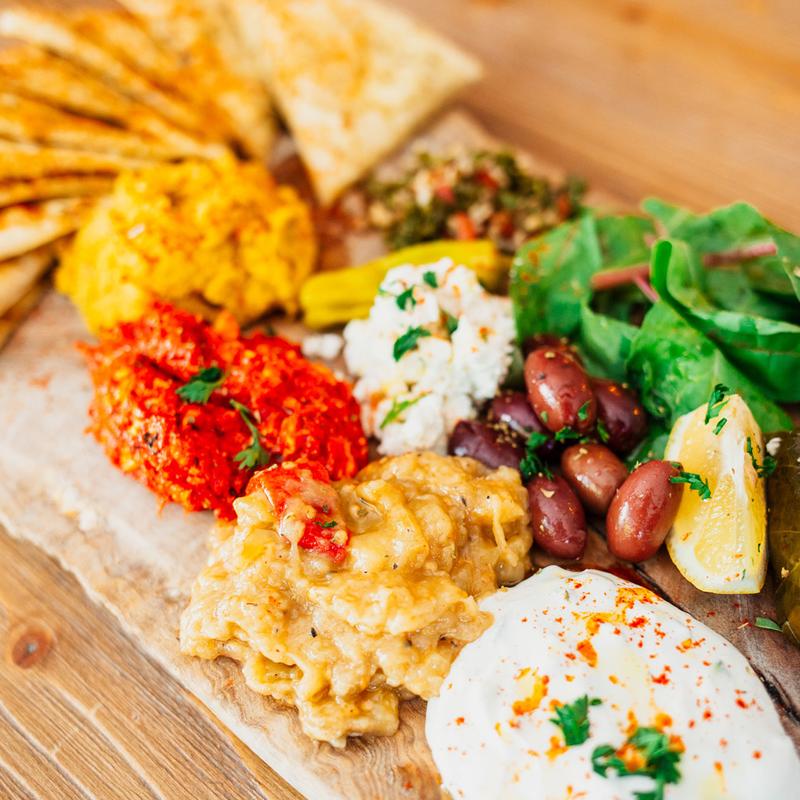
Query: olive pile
column 579, row 425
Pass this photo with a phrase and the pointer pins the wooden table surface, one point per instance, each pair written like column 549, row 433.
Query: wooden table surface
column 695, row 100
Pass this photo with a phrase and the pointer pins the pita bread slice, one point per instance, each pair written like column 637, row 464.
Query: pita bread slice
column 31, row 121
column 16, row 315
column 353, row 78
column 51, row 31
column 29, row 161
column 203, row 34
column 27, row 227
column 18, row 275
column 50, row 187
column 32, row 72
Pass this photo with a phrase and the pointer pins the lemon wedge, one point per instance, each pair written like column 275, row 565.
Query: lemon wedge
column 719, row 544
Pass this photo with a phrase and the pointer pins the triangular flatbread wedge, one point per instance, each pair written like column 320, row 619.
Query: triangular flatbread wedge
column 16, row 315
column 29, row 161
column 50, row 187
column 353, row 78
column 51, row 31
column 18, row 275
column 28, row 227
column 32, row 72
column 33, row 122
column 202, row 33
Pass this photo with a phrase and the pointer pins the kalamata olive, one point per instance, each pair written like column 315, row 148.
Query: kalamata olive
column 550, row 340
column 494, row 445
column 514, row 410
column 643, row 510
column 557, row 518
column 594, row 473
column 559, row 390
column 620, row 414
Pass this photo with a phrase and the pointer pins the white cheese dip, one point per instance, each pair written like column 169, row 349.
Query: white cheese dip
column 561, row 635
column 459, row 342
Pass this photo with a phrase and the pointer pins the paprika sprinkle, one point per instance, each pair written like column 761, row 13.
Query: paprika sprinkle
column 193, row 410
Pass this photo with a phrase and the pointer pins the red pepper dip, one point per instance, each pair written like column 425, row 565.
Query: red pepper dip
column 202, row 454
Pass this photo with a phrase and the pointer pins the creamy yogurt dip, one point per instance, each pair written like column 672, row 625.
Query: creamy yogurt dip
column 456, row 342
column 561, row 635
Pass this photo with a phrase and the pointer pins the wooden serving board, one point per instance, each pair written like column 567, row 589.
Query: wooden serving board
column 58, row 490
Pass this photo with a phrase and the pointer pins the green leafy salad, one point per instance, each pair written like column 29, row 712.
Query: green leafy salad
column 674, row 303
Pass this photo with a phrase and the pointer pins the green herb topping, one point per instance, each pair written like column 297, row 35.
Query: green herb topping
column 532, row 464
column 602, row 431
column 408, row 341
column 583, row 411
column 199, row 388
column 398, row 407
column 716, row 402
column 647, row 752
column 695, row 482
column 762, row 470
column 573, row 719
column 720, row 425
column 330, row 524
column 768, row 624
column 430, row 278
column 566, row 434
column 406, row 297
column 451, row 323
column 254, row 455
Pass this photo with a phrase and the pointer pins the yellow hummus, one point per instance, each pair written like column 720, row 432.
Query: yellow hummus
column 202, row 235
column 345, row 642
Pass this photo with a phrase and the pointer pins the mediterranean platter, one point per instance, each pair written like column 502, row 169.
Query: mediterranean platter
column 341, row 405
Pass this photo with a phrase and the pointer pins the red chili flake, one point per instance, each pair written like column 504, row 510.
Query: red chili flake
column 459, row 720
column 185, row 452
column 741, row 703
column 588, row 653
column 639, row 622
column 663, row 678
column 756, row 754
column 707, row 714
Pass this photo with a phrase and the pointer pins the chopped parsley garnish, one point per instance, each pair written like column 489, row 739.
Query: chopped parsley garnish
column 430, row 278
column 408, row 341
column 254, row 455
column 398, row 407
column 647, row 752
column 573, row 719
column 451, row 323
column 406, row 297
column 583, row 411
column 566, row 433
column 602, row 431
column 329, row 524
column 716, row 401
column 768, row 624
column 199, row 388
column 695, row 482
column 531, row 463
column 720, row 425
column 762, row 470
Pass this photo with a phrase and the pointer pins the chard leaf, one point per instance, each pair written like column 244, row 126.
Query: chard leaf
column 604, row 343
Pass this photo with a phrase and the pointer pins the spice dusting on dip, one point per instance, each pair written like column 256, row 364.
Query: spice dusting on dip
column 665, row 708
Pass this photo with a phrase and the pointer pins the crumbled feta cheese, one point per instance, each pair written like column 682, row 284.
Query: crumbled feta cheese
column 415, row 402
column 322, row 345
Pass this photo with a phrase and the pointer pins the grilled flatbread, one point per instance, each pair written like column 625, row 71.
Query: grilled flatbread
column 52, row 31
column 29, row 161
column 33, row 122
column 49, row 187
column 28, row 227
column 32, row 72
column 352, row 78
column 18, row 275
column 15, row 315
column 202, row 33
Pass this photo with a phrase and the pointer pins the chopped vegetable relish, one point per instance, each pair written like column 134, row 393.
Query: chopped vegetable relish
column 268, row 399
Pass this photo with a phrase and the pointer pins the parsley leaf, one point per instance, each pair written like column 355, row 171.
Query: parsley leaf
column 720, row 425
column 451, row 323
column 531, row 463
column 254, row 455
column 398, row 407
column 573, row 719
column 199, row 388
column 583, row 411
column 716, row 401
column 654, row 749
column 408, row 341
column 768, row 624
column 762, row 470
column 602, row 431
column 430, row 278
column 566, row 433
column 406, row 297
column 329, row 524
column 695, row 482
